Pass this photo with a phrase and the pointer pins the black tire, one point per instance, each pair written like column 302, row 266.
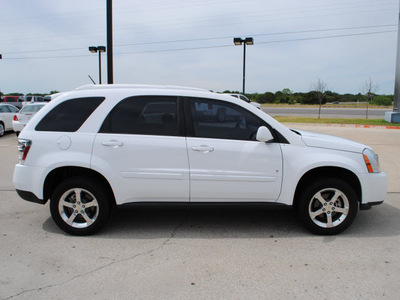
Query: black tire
column 79, row 206
column 328, row 206
column 2, row 129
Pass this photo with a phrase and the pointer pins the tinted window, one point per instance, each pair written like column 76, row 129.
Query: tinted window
column 218, row 119
column 152, row 115
column 69, row 115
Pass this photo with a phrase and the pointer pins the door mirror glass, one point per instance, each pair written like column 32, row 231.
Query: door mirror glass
column 264, row 135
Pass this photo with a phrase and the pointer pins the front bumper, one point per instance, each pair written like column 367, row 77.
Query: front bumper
column 374, row 188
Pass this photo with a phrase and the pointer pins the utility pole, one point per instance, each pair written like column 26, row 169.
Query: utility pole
column 110, row 72
column 394, row 116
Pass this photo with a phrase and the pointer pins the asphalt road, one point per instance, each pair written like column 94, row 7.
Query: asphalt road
column 208, row 253
column 326, row 112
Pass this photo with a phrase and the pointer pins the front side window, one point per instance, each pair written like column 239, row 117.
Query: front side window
column 222, row 120
column 149, row 115
column 69, row 116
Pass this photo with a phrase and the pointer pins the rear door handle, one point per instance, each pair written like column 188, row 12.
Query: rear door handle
column 112, row 143
column 203, row 148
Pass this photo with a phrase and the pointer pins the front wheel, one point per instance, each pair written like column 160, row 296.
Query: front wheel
column 79, row 206
column 2, row 129
column 328, row 206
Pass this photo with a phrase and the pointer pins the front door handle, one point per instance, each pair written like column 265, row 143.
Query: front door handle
column 112, row 143
column 203, row 148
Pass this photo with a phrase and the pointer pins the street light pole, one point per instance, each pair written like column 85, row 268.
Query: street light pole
column 246, row 41
column 394, row 116
column 110, row 68
column 99, row 49
column 0, row 88
column 99, row 67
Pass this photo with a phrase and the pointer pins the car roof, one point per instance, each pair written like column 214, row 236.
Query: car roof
column 137, row 86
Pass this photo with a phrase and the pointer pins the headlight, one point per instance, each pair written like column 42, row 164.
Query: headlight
column 371, row 161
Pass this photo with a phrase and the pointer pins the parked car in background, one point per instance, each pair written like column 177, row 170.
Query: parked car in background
column 24, row 115
column 7, row 112
column 48, row 98
column 17, row 101
column 244, row 98
column 32, row 99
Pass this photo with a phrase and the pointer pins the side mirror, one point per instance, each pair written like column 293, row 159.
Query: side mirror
column 264, row 135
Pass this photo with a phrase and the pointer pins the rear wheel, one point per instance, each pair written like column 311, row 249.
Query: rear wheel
column 328, row 206
column 79, row 206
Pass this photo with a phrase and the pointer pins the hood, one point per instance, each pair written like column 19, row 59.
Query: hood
column 326, row 141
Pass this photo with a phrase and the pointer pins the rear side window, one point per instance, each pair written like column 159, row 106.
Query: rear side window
column 69, row 115
column 149, row 115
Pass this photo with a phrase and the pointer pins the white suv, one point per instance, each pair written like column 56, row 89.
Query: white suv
column 100, row 146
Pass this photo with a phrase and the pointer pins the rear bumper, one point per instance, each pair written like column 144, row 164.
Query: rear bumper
column 28, row 180
column 31, row 197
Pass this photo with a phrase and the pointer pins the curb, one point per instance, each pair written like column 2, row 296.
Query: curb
column 347, row 125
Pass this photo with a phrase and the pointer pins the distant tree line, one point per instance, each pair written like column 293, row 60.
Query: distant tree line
column 30, row 94
column 286, row 96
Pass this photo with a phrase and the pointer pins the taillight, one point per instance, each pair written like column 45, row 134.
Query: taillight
column 24, row 145
column 15, row 118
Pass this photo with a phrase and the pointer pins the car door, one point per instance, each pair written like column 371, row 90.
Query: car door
column 226, row 163
column 141, row 150
column 7, row 113
column 3, row 116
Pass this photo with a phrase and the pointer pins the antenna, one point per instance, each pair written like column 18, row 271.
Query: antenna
column 92, row 79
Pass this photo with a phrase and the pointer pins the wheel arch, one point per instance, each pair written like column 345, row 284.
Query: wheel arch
column 56, row 176
column 327, row 172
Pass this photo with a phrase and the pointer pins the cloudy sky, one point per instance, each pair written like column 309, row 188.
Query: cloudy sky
column 44, row 43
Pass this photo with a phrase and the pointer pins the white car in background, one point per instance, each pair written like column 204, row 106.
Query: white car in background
column 244, row 98
column 48, row 98
column 24, row 115
column 7, row 111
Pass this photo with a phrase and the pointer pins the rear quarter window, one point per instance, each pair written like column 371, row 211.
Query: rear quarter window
column 69, row 115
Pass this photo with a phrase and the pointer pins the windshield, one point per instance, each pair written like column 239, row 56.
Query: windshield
column 30, row 108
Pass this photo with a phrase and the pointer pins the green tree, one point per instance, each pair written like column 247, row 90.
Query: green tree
column 14, row 94
column 382, row 100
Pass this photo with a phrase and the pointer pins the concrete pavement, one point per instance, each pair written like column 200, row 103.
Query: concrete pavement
column 203, row 253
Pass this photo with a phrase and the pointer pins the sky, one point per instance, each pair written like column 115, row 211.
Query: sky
column 345, row 43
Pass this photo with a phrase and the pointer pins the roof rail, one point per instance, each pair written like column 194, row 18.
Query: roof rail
column 136, row 86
